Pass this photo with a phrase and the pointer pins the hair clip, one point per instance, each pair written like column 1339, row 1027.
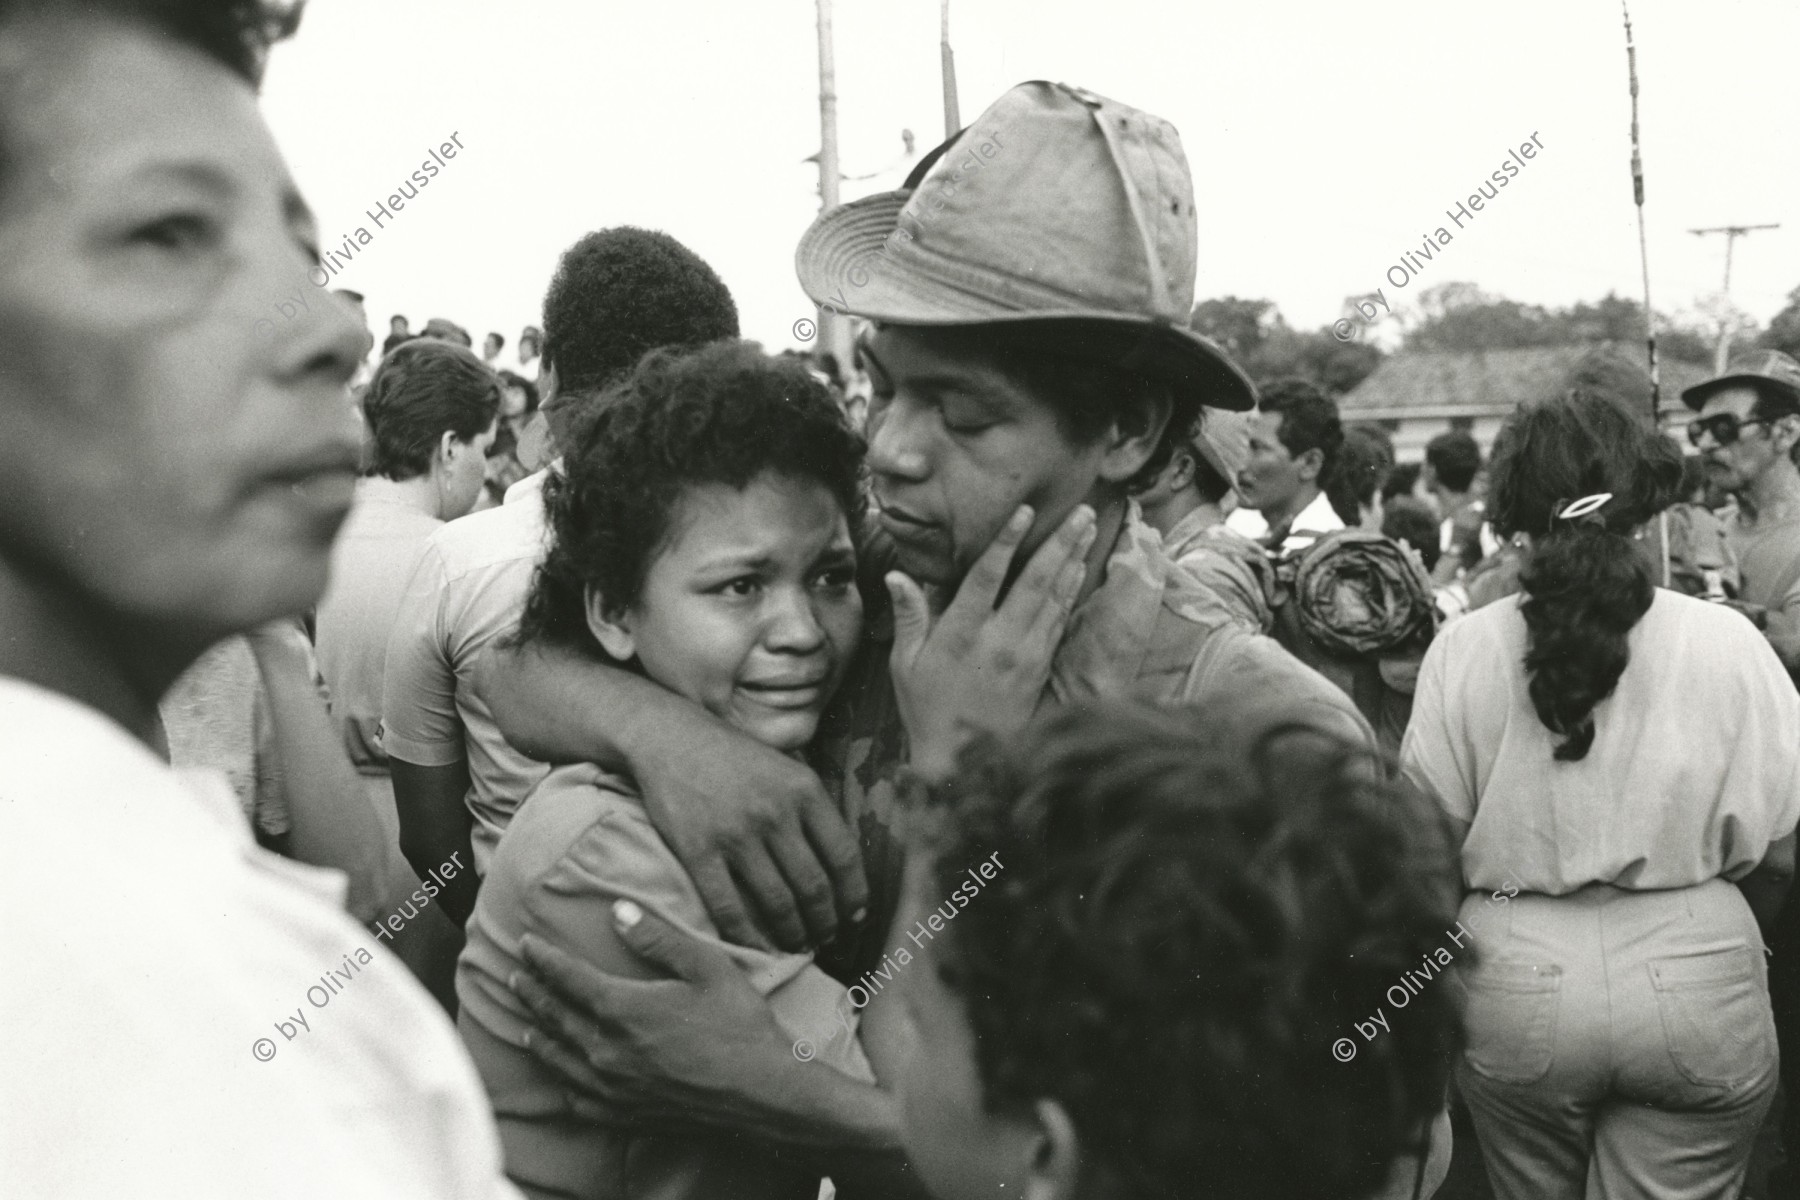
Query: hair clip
column 1584, row 506
column 1575, row 510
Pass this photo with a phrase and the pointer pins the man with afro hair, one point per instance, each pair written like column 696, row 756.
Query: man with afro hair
column 622, row 292
column 617, row 294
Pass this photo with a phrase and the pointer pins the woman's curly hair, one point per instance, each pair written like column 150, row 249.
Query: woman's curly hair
column 723, row 413
column 1193, row 906
column 1586, row 585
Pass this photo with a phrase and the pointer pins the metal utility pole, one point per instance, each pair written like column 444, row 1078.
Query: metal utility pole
column 1637, row 193
column 833, row 329
column 1732, row 234
column 947, row 58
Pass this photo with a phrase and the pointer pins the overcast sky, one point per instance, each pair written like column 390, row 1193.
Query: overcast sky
column 1325, row 139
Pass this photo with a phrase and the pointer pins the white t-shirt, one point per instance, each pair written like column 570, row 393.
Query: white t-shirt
column 371, row 562
column 154, row 954
column 468, row 592
column 1694, row 770
column 1311, row 523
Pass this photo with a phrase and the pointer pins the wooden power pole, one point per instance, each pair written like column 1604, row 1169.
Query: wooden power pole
column 1732, row 234
column 947, row 60
column 833, row 328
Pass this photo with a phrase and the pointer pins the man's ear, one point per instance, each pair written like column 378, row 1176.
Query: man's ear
column 448, row 447
column 1055, row 1169
column 610, row 627
column 1134, row 437
column 1310, row 464
column 1181, row 472
column 1785, row 432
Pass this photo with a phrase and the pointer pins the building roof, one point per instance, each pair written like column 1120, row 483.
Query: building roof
column 1478, row 383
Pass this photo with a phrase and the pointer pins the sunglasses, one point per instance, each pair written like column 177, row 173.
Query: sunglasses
column 1725, row 428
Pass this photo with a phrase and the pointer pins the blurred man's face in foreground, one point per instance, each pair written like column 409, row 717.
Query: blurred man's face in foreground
column 162, row 464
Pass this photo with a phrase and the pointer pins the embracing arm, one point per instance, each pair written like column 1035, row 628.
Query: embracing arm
column 701, row 1049
column 333, row 825
column 781, row 839
column 435, row 825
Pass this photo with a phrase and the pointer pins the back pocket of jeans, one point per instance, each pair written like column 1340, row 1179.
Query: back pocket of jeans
column 1715, row 1015
column 1509, row 1015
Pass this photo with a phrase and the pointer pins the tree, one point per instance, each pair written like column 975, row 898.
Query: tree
column 1259, row 340
column 1461, row 317
column 1238, row 326
column 1319, row 356
column 1783, row 332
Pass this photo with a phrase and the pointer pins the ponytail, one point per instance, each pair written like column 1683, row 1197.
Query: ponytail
column 1585, row 587
column 1580, row 473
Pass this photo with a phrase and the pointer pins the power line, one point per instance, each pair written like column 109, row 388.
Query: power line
column 1732, row 234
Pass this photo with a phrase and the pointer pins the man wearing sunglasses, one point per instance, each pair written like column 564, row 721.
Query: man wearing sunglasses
column 1746, row 431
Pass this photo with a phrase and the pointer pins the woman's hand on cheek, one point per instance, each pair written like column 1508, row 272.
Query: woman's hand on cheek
column 979, row 667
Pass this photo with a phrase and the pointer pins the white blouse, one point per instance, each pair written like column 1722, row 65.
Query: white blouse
column 1694, row 769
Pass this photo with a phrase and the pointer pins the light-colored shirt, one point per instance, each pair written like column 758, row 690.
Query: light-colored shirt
column 1248, row 522
column 371, row 562
column 1768, row 554
column 1310, row 523
column 156, row 954
column 582, row 841
column 1693, row 772
column 467, row 593
column 1227, row 564
column 530, row 488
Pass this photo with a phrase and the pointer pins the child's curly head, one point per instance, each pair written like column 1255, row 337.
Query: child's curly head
column 1195, row 905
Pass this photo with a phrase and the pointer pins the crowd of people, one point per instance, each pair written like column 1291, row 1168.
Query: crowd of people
column 646, row 766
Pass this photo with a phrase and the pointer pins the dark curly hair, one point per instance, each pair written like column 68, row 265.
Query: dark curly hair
column 722, row 413
column 1075, row 366
column 1309, row 421
column 1455, row 459
column 621, row 292
column 421, row 390
column 1409, row 519
column 1586, row 585
column 1364, row 458
column 513, row 379
column 1195, row 904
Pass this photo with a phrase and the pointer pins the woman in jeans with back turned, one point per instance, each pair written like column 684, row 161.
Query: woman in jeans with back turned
column 1630, row 758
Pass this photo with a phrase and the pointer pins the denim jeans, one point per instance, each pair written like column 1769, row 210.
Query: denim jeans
column 1620, row 1044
